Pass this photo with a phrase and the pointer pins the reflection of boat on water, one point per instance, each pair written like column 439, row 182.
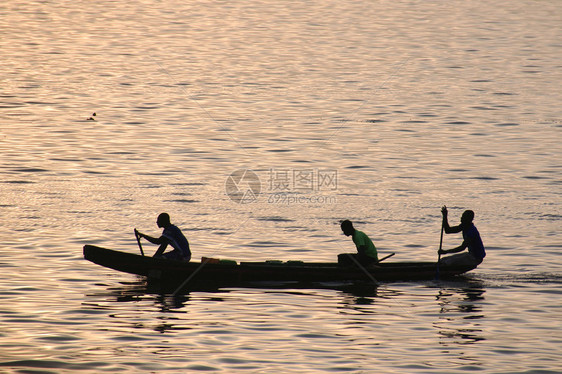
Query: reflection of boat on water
column 457, row 303
column 460, row 311
column 233, row 273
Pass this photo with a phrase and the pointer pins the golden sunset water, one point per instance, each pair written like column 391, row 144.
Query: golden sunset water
column 375, row 111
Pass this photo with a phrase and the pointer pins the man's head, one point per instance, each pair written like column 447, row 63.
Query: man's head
column 467, row 217
column 163, row 220
column 347, row 227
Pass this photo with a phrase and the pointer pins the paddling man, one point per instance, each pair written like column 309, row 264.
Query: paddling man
column 171, row 235
column 471, row 240
column 366, row 250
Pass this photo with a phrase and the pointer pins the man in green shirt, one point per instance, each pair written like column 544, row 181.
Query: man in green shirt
column 366, row 250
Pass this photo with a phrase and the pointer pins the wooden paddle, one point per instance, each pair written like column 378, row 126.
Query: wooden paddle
column 384, row 258
column 439, row 252
column 139, row 242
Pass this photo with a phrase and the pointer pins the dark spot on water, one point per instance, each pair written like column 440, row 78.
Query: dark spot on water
column 18, row 182
column 66, row 159
column 202, row 368
column 151, row 186
column 188, row 184
column 30, row 170
column 94, row 172
column 483, row 108
column 506, row 124
column 264, row 244
column 121, row 153
column 222, row 232
column 550, row 217
column 146, row 107
column 59, row 338
column 535, row 177
column 275, row 219
column 357, row 167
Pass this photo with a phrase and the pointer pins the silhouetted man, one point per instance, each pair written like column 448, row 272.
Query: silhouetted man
column 171, row 235
column 471, row 240
column 366, row 250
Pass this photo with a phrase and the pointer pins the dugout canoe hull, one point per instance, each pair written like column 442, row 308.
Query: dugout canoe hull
column 231, row 273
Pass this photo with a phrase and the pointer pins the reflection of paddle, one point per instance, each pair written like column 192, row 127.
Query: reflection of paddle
column 138, row 241
column 439, row 252
column 384, row 258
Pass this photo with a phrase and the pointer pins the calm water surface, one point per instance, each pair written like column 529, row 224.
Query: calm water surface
column 376, row 111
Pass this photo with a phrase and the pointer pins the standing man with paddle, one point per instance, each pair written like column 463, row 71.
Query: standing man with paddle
column 171, row 235
column 471, row 240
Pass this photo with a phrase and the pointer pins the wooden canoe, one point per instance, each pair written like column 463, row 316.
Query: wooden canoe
column 232, row 273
